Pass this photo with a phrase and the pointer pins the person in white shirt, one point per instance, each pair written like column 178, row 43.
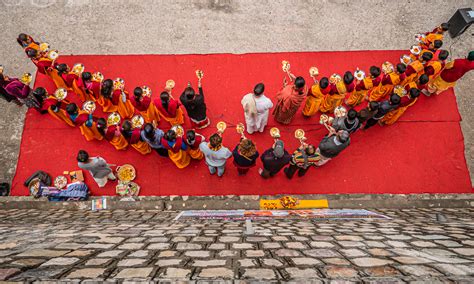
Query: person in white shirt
column 256, row 109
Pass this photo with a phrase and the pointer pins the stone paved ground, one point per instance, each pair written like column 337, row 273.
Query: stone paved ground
column 149, row 245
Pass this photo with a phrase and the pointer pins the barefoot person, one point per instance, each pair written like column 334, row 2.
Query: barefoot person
column 256, row 109
column 97, row 166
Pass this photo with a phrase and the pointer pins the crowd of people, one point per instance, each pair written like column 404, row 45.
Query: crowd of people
column 387, row 91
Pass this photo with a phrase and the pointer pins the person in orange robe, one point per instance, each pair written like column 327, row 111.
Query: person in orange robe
column 420, row 84
column 112, row 134
column 416, row 68
column 133, row 136
column 451, row 73
column 389, row 81
column 46, row 66
column 27, row 42
column 405, row 102
column 433, row 67
column 176, row 149
column 85, row 121
column 56, row 109
column 105, row 99
column 289, row 99
column 334, row 98
column 88, row 88
column 143, row 106
column 315, row 97
column 121, row 100
column 436, row 34
column 193, row 140
column 362, row 87
column 169, row 109
column 349, row 84
column 66, row 74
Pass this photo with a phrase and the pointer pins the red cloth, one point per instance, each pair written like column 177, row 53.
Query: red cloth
column 69, row 78
column 80, row 119
column 172, row 107
column 141, row 105
column 197, row 141
column 461, row 67
column 117, row 95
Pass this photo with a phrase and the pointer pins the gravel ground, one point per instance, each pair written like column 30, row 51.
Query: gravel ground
column 215, row 26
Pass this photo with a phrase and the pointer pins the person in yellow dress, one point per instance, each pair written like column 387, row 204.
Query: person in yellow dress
column 85, row 122
column 176, row 149
column 406, row 101
column 133, row 136
column 112, row 134
column 193, row 140
column 336, row 95
column 315, row 97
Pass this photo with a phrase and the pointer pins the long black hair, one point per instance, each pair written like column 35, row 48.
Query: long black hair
column 165, row 99
column 107, row 88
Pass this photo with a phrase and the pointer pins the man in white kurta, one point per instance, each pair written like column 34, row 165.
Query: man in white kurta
column 256, row 109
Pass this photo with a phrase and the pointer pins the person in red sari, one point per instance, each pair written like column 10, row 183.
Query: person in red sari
column 451, row 73
column 133, row 137
column 349, row 84
column 87, row 87
column 27, row 42
column 121, row 100
column 289, row 99
column 57, row 109
column 141, row 100
column 85, row 122
column 112, row 134
column 176, row 149
column 193, row 140
column 169, row 109
column 46, row 66
column 12, row 89
column 105, row 99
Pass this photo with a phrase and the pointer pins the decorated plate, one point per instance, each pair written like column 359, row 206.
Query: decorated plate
column 126, row 173
column 60, row 94
column 89, row 106
column 60, row 182
column 359, row 75
column 78, row 68
column 137, row 121
column 340, row 111
column 113, row 119
column 146, row 91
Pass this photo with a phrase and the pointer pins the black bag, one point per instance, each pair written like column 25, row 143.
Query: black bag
column 4, row 189
column 43, row 177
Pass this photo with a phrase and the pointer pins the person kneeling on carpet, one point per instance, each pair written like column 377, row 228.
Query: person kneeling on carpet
column 97, row 166
column 245, row 155
column 216, row 155
column 302, row 159
column 274, row 159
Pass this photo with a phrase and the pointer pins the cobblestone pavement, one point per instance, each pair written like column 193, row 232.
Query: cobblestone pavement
column 150, row 246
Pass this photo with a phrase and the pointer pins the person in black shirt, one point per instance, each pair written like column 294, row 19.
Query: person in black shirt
column 195, row 106
column 274, row 159
column 349, row 122
column 245, row 155
column 384, row 108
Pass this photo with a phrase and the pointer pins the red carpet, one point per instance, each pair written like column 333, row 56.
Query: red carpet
column 423, row 153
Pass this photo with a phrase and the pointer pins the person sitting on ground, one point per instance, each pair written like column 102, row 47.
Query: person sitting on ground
column 215, row 154
column 274, row 159
column 97, row 166
column 245, row 155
